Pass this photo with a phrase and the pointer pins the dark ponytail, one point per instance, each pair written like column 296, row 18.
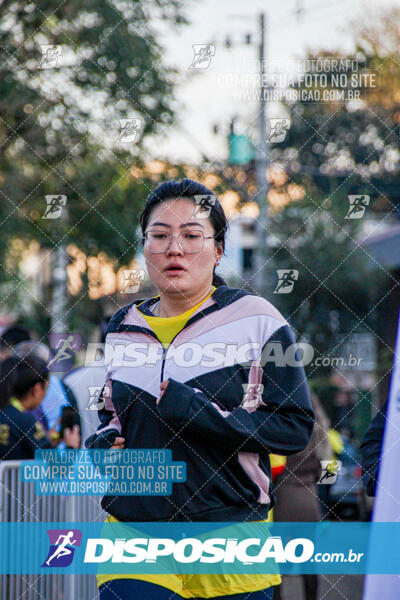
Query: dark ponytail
column 217, row 280
column 188, row 188
column 19, row 375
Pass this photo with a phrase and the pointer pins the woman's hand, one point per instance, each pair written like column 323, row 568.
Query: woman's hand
column 163, row 387
column 118, row 443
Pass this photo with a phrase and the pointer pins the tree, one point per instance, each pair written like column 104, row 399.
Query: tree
column 335, row 150
column 60, row 128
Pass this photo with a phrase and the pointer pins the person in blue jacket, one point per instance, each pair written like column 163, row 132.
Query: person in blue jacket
column 23, row 386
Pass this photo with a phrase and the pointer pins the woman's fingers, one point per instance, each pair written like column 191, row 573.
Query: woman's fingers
column 163, row 387
column 118, row 443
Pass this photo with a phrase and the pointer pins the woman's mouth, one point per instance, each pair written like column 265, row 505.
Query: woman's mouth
column 174, row 270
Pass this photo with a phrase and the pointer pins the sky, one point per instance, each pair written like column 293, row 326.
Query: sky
column 212, row 96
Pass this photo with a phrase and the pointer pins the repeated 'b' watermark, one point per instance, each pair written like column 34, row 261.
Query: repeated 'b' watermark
column 129, row 130
column 97, row 399
column 330, row 470
column 204, row 204
column 54, row 206
column 278, row 129
column 357, row 207
column 50, row 56
column 287, row 278
column 252, row 398
column 132, row 280
column 203, row 53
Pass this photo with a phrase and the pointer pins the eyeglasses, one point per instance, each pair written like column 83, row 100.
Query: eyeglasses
column 190, row 242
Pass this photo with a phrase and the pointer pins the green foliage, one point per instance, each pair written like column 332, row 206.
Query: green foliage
column 59, row 126
column 334, row 150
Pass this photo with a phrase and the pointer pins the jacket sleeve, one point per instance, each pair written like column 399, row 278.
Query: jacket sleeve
column 371, row 449
column 110, row 426
column 282, row 423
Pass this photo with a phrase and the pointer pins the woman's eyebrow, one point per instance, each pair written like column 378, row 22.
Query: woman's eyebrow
column 159, row 223
column 191, row 225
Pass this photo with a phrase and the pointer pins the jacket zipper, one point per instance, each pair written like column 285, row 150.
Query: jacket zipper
column 165, row 350
column 163, row 363
column 178, row 491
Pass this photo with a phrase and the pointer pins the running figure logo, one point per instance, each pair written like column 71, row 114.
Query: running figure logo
column 203, row 54
column 132, row 280
column 252, row 398
column 62, row 547
column 287, row 277
column 330, row 470
column 129, row 130
column 65, row 344
column 97, row 399
column 204, row 203
column 50, row 56
column 54, row 206
column 357, row 207
column 278, row 129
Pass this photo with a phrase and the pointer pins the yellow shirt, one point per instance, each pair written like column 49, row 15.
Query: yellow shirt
column 166, row 328
column 204, row 585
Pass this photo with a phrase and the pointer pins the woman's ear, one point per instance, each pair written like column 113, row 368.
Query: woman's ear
column 219, row 251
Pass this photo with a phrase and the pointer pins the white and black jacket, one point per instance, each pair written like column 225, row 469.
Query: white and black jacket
column 209, row 416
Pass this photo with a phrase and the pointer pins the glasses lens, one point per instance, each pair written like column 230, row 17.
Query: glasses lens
column 157, row 241
column 190, row 242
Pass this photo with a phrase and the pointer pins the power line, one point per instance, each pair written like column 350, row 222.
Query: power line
column 283, row 21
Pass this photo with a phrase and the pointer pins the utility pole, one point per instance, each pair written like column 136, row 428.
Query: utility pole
column 60, row 278
column 262, row 162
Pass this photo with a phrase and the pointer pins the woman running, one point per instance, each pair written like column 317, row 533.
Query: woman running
column 211, row 390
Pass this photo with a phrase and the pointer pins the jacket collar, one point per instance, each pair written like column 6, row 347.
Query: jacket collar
column 222, row 296
column 17, row 404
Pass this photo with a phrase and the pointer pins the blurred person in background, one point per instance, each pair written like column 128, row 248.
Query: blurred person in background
column 56, row 402
column 17, row 340
column 371, row 450
column 337, row 448
column 10, row 337
column 84, row 384
column 23, row 385
column 296, row 490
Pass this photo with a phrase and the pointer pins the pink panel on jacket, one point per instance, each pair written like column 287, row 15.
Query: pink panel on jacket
column 250, row 462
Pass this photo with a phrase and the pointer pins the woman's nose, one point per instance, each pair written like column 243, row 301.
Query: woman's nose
column 174, row 247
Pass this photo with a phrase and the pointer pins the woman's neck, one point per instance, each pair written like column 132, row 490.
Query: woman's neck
column 171, row 305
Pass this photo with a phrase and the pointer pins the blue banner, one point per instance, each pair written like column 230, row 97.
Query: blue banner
column 126, row 472
column 180, row 547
